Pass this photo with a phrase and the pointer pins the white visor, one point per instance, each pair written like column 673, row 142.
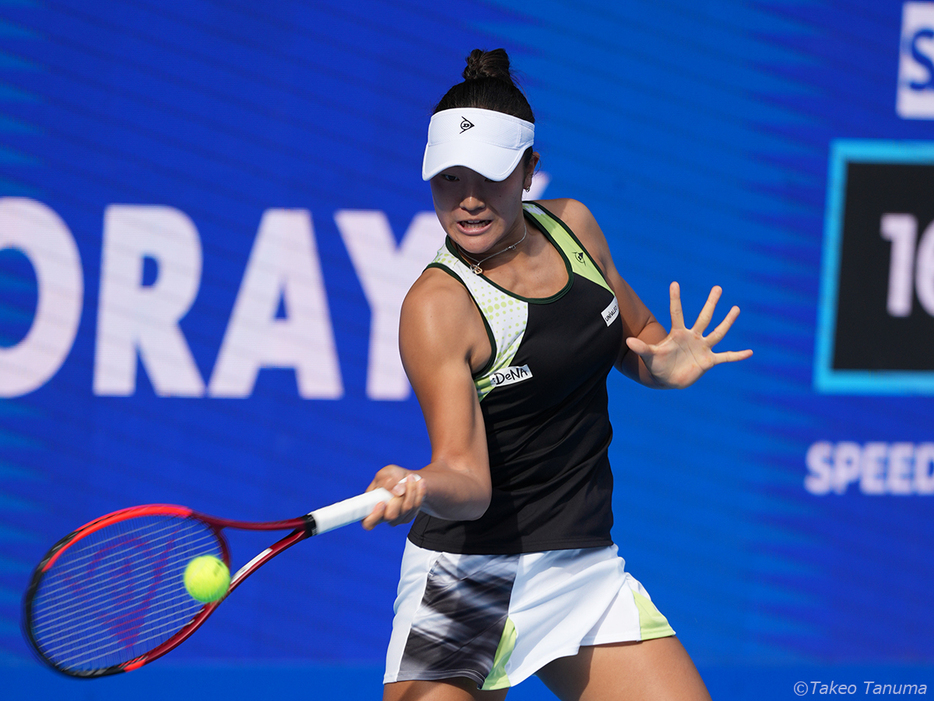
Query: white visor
column 488, row 142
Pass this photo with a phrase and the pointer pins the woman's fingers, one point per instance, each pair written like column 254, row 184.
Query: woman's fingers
column 677, row 314
column 706, row 313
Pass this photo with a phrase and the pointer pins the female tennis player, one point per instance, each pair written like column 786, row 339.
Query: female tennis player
column 508, row 338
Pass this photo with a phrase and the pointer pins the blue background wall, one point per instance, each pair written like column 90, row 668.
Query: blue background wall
column 699, row 133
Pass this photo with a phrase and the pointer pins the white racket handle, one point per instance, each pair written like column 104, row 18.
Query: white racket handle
column 357, row 508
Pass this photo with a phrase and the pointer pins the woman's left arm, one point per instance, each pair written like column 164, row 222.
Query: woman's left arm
column 649, row 354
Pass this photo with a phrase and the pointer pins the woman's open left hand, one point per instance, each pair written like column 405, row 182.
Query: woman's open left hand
column 685, row 354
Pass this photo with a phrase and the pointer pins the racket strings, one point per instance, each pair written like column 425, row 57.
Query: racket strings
column 119, row 592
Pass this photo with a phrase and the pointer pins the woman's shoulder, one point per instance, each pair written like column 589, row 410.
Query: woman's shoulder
column 440, row 321
column 567, row 210
column 436, row 300
column 579, row 219
column 436, row 288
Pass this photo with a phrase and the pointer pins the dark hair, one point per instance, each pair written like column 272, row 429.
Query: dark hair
column 488, row 84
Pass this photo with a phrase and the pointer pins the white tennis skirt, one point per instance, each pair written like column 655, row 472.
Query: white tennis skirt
column 498, row 619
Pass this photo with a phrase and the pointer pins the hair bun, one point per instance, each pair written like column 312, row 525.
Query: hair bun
column 488, row 84
column 488, row 64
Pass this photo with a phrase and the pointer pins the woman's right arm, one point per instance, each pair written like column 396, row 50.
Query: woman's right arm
column 441, row 337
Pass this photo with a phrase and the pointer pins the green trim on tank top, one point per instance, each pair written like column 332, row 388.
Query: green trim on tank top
column 486, row 324
column 504, row 313
column 566, row 242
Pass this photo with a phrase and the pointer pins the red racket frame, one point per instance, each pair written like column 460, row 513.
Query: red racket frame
column 301, row 527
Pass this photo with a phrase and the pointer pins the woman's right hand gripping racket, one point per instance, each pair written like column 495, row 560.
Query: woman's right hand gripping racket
column 110, row 597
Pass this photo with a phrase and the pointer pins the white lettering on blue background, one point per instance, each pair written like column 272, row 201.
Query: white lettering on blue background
column 873, row 468
column 916, row 62
column 138, row 322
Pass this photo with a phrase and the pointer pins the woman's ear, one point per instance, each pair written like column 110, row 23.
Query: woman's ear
column 530, row 171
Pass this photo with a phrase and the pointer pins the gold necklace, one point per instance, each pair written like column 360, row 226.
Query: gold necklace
column 475, row 264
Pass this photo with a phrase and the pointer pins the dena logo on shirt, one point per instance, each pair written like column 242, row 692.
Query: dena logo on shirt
column 510, row 376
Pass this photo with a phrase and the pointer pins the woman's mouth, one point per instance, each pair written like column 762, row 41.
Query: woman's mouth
column 473, row 226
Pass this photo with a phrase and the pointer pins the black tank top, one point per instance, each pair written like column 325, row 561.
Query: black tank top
column 544, row 402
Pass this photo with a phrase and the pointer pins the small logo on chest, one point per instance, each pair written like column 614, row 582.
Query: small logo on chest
column 611, row 312
column 510, row 376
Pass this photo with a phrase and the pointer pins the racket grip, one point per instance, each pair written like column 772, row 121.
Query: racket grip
column 357, row 508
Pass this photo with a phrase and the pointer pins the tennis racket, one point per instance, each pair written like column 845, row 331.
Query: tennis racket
column 110, row 597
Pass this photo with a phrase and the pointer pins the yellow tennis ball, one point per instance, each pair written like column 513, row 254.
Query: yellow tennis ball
column 207, row 578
